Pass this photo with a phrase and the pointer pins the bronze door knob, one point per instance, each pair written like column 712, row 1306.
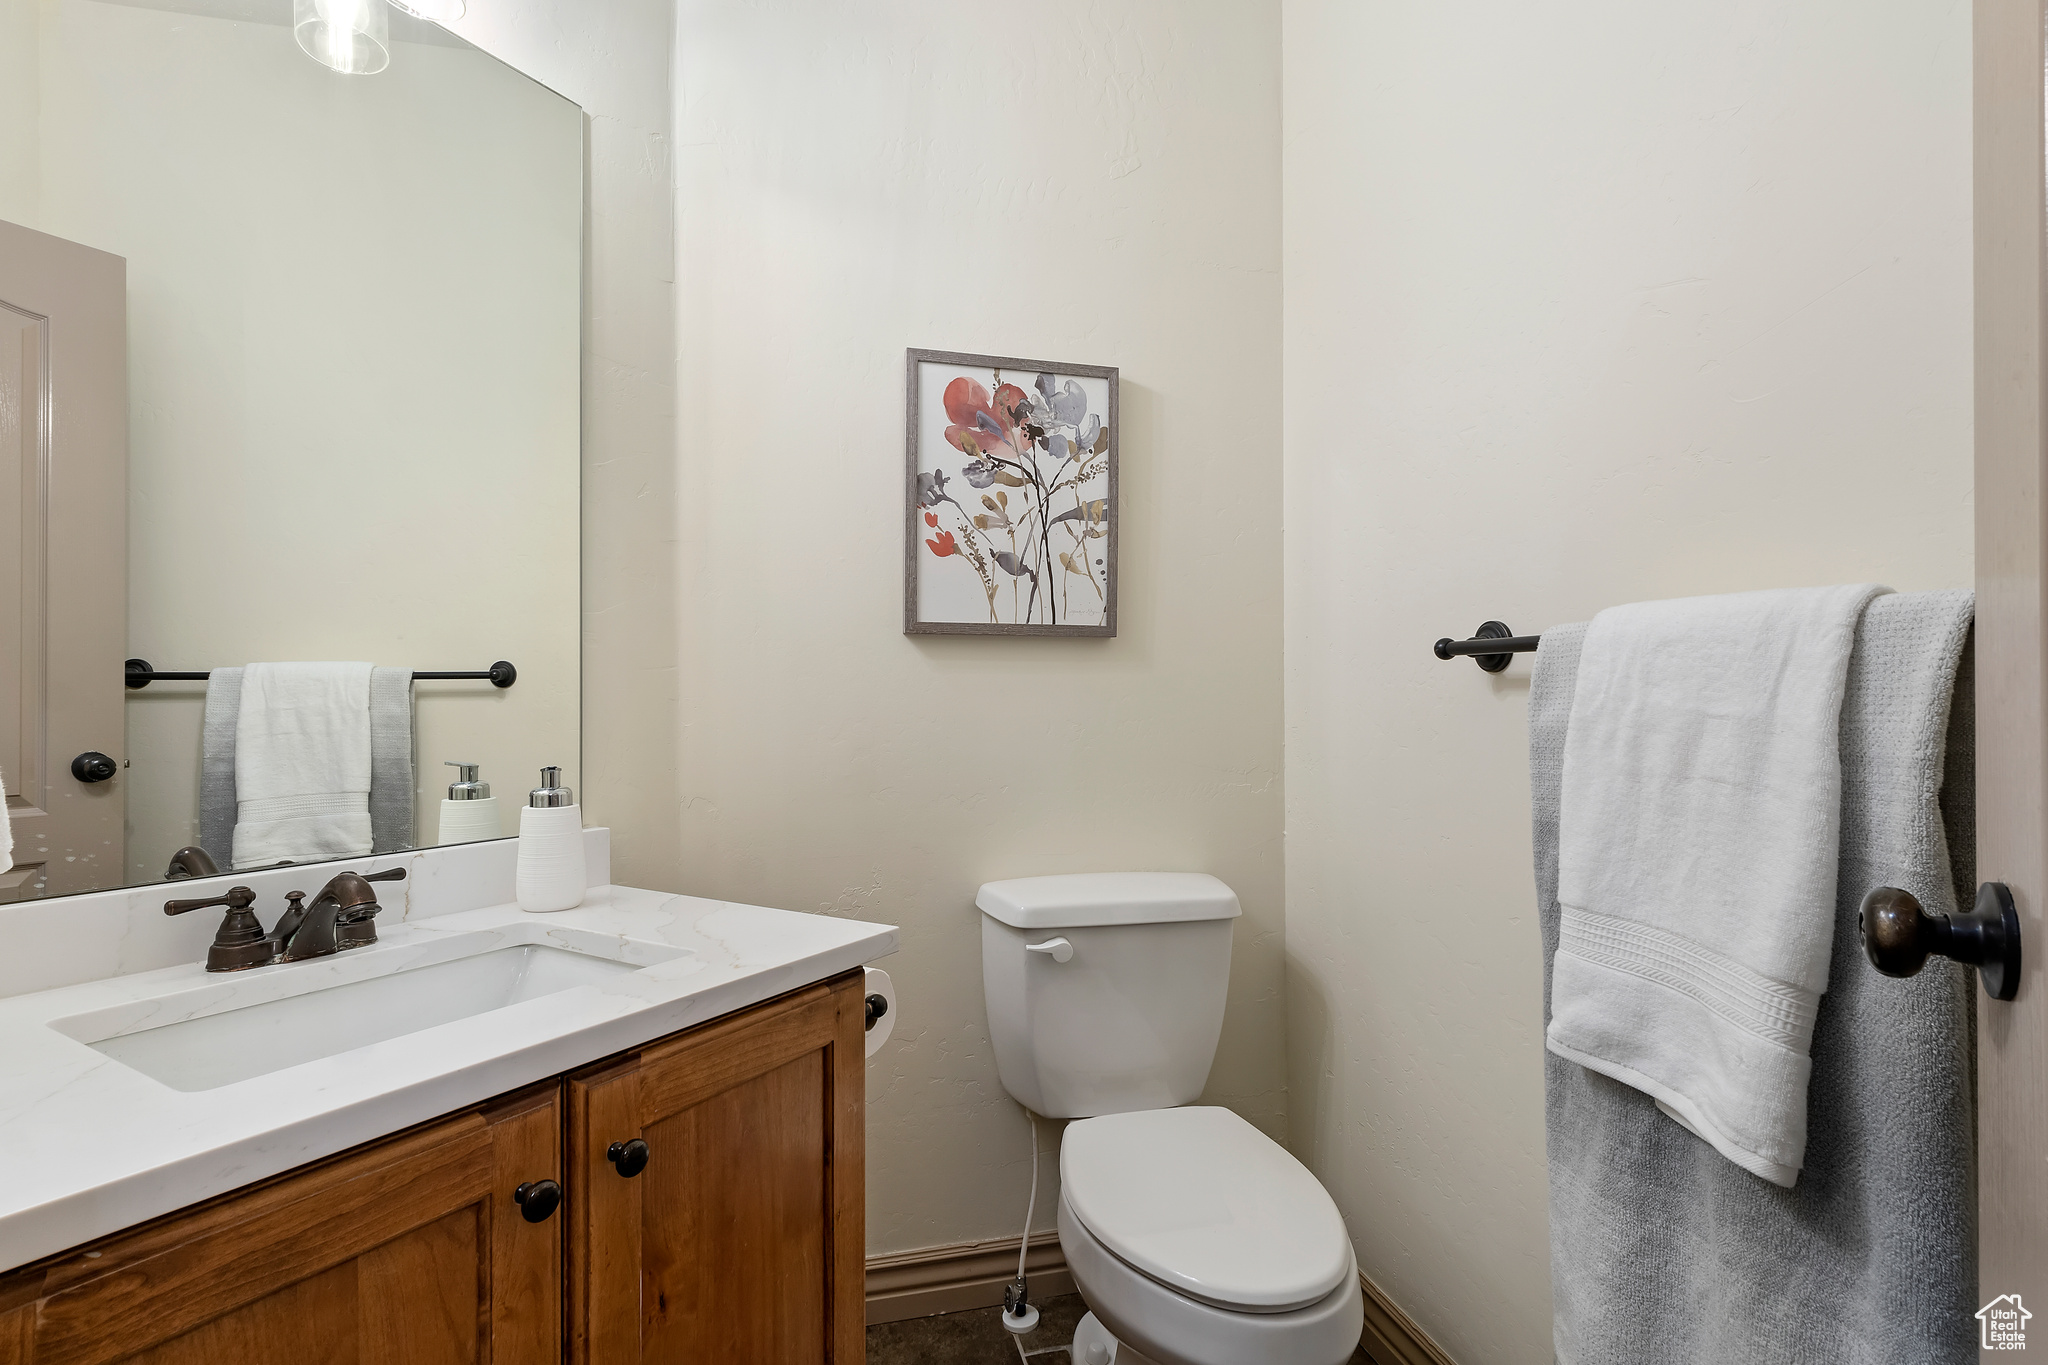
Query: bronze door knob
column 93, row 766
column 1899, row 936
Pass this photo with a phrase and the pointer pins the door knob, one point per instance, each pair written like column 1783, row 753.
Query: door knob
column 537, row 1199
column 1898, row 936
column 93, row 766
column 628, row 1158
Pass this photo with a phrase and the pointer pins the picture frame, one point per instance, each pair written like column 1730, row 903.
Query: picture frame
column 1012, row 491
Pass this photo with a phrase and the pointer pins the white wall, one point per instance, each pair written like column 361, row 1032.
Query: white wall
column 613, row 59
column 353, row 323
column 1069, row 181
column 1584, row 305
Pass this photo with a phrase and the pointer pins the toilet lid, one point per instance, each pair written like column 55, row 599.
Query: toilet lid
column 1207, row 1205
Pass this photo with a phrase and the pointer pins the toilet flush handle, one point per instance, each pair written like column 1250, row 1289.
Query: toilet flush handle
column 1057, row 948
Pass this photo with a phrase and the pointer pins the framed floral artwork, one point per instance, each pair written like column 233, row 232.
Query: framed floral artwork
column 1013, row 496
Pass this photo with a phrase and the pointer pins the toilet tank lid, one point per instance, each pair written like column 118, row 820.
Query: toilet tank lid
column 1082, row 899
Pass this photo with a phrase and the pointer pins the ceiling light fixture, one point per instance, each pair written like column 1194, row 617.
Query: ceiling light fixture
column 351, row 36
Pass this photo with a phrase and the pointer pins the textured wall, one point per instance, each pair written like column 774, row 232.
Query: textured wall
column 1584, row 305
column 1093, row 182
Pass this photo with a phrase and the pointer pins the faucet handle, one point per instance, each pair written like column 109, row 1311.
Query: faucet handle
column 394, row 874
column 240, row 941
column 235, row 898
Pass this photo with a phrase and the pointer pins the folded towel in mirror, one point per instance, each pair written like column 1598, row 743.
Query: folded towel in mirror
column 302, row 763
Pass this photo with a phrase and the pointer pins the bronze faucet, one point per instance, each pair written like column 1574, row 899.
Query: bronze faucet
column 191, row 861
column 341, row 916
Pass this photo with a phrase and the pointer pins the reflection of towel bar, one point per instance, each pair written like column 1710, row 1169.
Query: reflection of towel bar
column 500, row 674
column 1489, row 646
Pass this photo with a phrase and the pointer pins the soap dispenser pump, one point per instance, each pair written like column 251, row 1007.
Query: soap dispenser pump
column 470, row 812
column 550, row 869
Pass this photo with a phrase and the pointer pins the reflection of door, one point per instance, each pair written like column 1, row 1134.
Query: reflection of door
column 2011, row 229
column 63, row 557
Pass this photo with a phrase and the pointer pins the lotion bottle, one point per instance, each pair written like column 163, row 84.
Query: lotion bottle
column 470, row 812
column 550, row 868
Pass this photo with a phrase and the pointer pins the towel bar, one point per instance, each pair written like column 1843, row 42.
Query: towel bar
column 1490, row 646
column 500, row 674
column 1898, row 936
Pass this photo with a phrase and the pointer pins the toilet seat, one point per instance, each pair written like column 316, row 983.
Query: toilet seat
column 1155, row 1324
column 1206, row 1205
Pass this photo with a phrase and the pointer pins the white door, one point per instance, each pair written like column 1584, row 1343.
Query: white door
column 63, row 560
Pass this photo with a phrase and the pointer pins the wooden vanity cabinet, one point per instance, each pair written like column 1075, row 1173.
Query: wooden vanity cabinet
column 735, row 1233
column 409, row 1249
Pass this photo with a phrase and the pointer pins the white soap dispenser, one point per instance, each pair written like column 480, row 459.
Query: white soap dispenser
column 550, row 869
column 470, row 812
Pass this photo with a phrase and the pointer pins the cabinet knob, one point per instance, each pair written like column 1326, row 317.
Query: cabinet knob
column 628, row 1158
column 537, row 1199
column 1899, row 936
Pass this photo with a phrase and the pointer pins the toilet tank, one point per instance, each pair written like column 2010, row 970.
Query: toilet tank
column 1129, row 1020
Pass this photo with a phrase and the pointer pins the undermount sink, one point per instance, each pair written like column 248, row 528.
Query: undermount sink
column 237, row 1043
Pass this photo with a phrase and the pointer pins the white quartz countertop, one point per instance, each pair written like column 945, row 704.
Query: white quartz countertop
column 90, row 1146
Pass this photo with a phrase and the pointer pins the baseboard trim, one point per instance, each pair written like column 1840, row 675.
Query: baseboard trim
column 1391, row 1337
column 949, row 1279
column 952, row 1279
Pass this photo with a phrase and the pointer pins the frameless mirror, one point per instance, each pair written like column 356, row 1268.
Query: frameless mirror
column 352, row 318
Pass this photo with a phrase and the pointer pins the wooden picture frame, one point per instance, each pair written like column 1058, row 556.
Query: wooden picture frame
column 977, row 430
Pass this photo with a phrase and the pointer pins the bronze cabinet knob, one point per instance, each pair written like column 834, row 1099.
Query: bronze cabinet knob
column 628, row 1158
column 537, row 1199
column 1899, row 936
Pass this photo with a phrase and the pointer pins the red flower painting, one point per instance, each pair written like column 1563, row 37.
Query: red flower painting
column 1036, row 457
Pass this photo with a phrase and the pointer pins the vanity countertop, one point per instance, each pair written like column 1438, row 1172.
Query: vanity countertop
column 92, row 1147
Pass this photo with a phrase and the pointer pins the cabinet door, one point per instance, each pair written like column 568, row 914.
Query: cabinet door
column 409, row 1250
column 741, row 1237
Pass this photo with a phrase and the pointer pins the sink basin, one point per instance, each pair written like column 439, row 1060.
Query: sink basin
column 238, row 1043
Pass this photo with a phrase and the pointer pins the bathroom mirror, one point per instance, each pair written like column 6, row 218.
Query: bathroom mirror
column 353, row 308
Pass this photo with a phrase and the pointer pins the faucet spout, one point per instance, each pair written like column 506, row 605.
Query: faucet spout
column 339, row 917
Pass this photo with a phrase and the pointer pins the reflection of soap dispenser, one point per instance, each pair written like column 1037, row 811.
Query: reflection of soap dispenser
column 550, row 870
column 470, row 812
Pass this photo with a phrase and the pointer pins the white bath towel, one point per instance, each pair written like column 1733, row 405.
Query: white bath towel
column 1698, row 835
column 6, row 830
column 302, row 763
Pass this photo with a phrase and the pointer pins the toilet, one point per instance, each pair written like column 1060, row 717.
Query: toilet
column 1194, row 1238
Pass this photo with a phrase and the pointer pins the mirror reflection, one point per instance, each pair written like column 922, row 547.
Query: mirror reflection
column 325, row 268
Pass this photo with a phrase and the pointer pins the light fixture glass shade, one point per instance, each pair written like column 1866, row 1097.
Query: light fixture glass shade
column 443, row 12
column 352, row 36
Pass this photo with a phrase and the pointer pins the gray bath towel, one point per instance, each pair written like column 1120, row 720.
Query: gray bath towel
column 1661, row 1250
column 391, row 766
column 217, row 764
column 391, row 762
